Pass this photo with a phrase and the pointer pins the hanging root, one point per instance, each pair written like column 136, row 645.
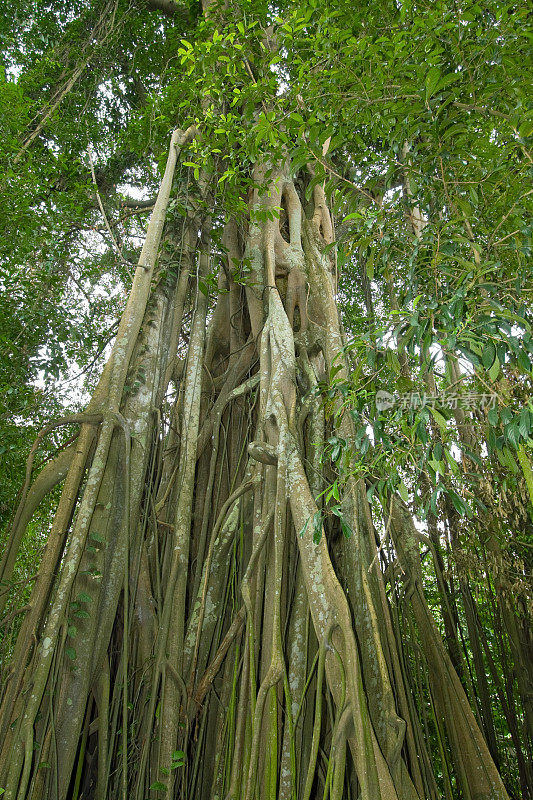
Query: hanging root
column 189, row 635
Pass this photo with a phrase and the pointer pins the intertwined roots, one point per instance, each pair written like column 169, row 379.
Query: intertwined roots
column 182, row 637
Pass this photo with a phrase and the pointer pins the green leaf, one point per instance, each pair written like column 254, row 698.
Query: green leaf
column 506, row 415
column 157, row 786
column 432, row 80
column 346, row 529
column 493, row 416
column 439, row 419
column 524, row 361
column 459, row 503
column 404, row 494
column 524, row 424
column 494, row 371
column 437, row 466
column 335, row 453
column 488, row 355
column 434, row 498
column 506, row 459
column 512, row 434
column 317, row 526
column 178, row 759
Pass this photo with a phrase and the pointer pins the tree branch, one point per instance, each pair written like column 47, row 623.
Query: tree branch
column 168, row 7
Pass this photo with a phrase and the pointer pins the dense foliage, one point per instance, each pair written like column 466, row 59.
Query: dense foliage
column 404, row 127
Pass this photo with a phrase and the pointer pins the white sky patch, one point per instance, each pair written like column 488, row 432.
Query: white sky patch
column 13, row 72
column 456, row 453
column 134, row 192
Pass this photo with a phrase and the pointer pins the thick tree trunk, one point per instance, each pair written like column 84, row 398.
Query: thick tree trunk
column 174, row 655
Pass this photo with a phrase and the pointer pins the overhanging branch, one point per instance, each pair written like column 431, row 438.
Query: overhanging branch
column 168, row 7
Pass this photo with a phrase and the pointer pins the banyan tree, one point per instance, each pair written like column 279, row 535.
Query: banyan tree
column 249, row 588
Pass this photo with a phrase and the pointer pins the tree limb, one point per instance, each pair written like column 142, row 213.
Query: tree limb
column 168, row 7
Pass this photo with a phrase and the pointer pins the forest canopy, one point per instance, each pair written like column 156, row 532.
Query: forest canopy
column 266, row 428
